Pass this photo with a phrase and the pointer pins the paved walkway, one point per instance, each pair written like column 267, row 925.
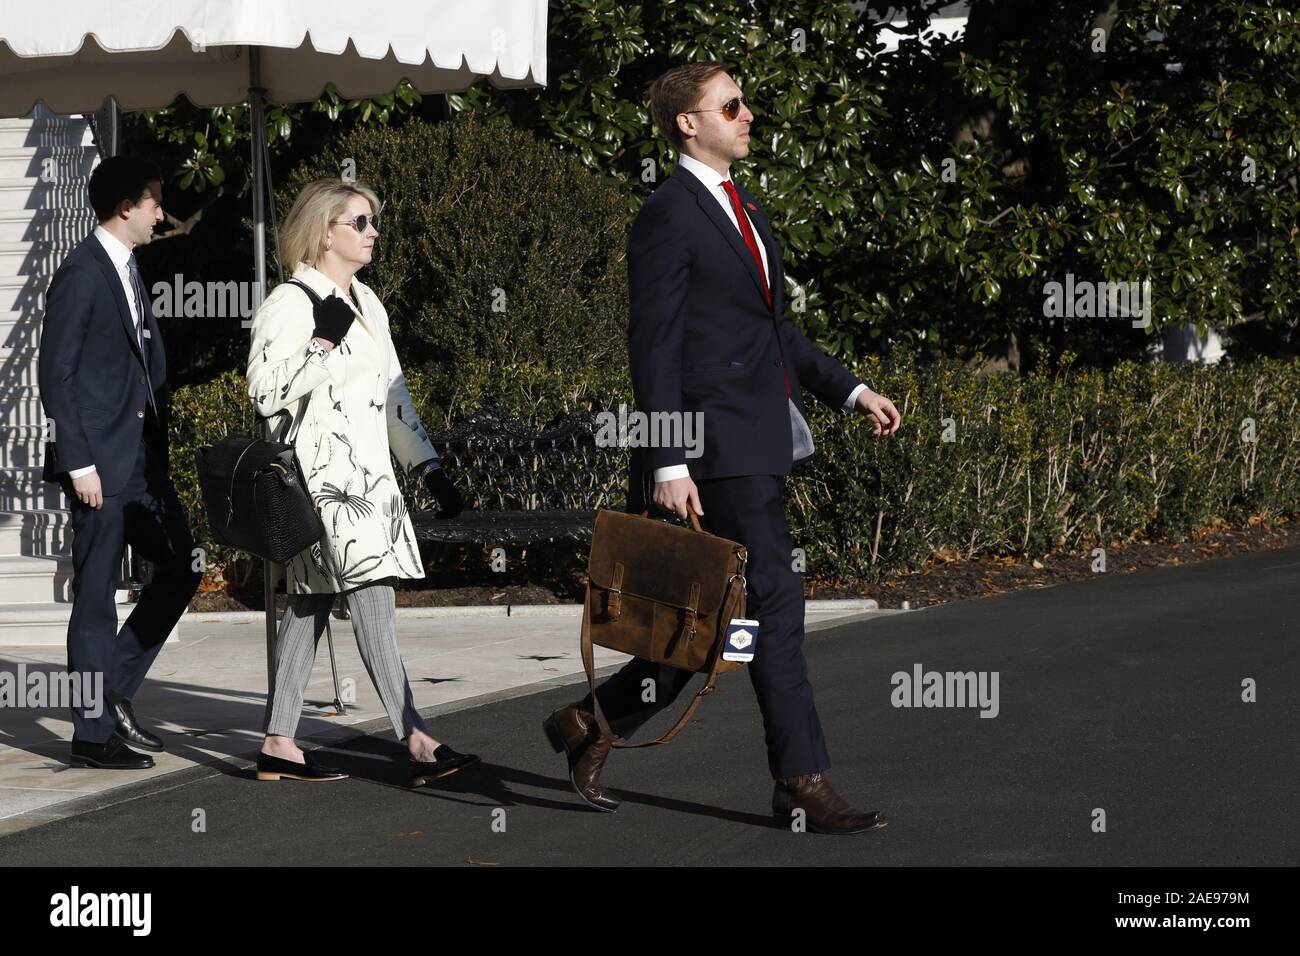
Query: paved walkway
column 205, row 695
column 1120, row 702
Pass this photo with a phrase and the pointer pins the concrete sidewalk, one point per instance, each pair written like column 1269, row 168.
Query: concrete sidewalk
column 205, row 694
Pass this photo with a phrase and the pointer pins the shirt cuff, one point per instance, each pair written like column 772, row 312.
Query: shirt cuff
column 852, row 400
column 669, row 472
column 324, row 359
column 78, row 472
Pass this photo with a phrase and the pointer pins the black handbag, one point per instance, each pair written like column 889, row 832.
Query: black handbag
column 255, row 493
column 257, row 499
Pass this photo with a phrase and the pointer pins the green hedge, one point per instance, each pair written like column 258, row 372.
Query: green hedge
column 202, row 415
column 983, row 465
column 493, row 244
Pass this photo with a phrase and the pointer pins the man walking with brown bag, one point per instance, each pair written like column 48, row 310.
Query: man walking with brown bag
column 708, row 337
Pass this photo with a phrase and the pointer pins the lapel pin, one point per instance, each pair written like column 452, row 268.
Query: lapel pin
column 751, row 207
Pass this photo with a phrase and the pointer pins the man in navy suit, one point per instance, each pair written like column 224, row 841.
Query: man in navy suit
column 708, row 334
column 103, row 383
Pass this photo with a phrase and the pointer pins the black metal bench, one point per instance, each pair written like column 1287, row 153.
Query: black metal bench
column 521, row 486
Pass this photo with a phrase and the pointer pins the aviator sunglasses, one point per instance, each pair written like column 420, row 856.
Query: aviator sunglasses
column 729, row 110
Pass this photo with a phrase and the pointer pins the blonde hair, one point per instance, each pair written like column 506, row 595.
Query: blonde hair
column 302, row 237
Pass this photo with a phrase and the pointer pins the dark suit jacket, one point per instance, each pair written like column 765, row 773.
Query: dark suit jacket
column 701, row 336
column 92, row 375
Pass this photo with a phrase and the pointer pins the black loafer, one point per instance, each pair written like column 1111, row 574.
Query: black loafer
column 130, row 732
column 445, row 761
column 276, row 768
column 113, row 755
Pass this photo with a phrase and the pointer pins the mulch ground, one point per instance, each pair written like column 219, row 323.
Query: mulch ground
column 948, row 577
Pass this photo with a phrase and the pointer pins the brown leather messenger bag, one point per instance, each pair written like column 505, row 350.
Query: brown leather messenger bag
column 663, row 592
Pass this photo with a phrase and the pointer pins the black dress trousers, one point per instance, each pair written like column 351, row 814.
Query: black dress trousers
column 148, row 515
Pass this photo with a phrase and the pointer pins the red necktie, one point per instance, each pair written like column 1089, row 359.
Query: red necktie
column 743, row 221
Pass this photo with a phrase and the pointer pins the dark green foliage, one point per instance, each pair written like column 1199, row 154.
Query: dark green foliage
column 1120, row 165
column 495, row 248
column 1125, row 164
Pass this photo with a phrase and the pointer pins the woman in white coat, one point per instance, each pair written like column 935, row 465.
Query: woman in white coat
column 325, row 355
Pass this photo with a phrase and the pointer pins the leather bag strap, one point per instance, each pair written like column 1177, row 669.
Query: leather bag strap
column 588, row 663
column 296, row 422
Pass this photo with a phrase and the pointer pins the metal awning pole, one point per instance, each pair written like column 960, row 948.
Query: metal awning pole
column 258, row 122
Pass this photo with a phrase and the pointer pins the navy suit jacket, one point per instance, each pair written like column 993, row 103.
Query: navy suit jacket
column 701, row 336
column 92, row 375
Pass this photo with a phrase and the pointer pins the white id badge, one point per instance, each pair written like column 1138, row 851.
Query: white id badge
column 742, row 633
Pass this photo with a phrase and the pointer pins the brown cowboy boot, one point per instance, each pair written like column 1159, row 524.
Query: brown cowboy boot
column 576, row 732
column 825, row 811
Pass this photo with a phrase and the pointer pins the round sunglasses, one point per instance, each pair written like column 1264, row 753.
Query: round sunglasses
column 359, row 223
column 729, row 110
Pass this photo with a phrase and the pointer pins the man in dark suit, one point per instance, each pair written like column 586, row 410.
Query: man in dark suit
column 103, row 384
column 708, row 334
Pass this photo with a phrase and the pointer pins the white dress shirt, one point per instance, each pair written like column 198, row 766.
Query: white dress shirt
column 713, row 181
column 121, row 258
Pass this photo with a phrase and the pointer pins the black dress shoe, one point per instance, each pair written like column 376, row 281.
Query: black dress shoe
column 276, row 768
column 113, row 755
column 445, row 761
column 129, row 730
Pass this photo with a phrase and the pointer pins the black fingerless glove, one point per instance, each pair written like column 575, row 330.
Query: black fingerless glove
column 440, row 486
column 333, row 319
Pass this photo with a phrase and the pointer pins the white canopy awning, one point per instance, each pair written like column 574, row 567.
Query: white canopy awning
column 70, row 54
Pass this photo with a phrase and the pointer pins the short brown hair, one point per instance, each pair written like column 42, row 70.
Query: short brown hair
column 677, row 91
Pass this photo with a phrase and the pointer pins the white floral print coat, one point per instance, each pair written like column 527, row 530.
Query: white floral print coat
column 357, row 411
